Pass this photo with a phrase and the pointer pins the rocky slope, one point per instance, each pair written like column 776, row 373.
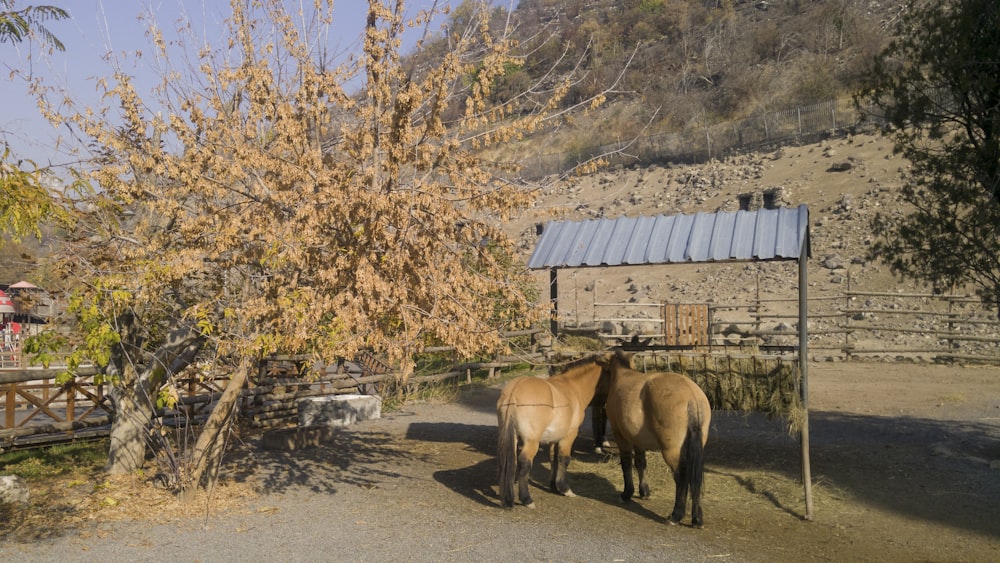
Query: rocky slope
column 844, row 180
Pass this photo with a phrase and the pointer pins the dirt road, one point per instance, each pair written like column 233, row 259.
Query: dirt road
column 904, row 459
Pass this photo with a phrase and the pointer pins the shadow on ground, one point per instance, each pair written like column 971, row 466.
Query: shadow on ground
column 924, row 469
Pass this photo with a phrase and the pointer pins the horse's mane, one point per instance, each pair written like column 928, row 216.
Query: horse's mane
column 563, row 368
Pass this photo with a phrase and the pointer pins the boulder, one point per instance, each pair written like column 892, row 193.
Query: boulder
column 338, row 410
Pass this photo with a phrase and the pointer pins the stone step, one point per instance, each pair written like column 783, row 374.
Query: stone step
column 338, row 410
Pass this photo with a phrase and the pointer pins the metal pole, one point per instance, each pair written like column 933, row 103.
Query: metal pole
column 804, row 370
column 554, row 298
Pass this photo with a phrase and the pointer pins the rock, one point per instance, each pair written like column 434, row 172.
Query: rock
column 338, row 410
column 13, row 489
column 832, row 262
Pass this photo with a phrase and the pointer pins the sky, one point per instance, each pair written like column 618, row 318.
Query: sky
column 97, row 27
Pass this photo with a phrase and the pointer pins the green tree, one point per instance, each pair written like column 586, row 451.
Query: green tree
column 937, row 86
column 18, row 25
column 24, row 200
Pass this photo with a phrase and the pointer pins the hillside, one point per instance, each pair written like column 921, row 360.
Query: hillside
column 683, row 63
column 843, row 180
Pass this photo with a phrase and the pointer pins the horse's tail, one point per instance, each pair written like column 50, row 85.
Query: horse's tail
column 507, row 456
column 693, row 455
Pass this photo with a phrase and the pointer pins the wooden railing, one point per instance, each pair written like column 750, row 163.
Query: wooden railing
column 854, row 324
column 34, row 409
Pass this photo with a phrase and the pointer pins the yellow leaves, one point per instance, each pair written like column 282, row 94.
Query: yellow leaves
column 167, row 397
column 291, row 216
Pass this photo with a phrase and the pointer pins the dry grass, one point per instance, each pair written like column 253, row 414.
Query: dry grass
column 77, row 495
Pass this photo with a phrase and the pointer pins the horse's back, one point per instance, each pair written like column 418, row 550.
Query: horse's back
column 540, row 410
column 624, row 405
column 674, row 401
column 651, row 409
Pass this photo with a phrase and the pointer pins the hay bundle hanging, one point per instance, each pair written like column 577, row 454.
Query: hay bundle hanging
column 765, row 384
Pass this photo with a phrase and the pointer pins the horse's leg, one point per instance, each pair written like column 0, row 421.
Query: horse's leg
column 553, row 464
column 640, row 468
column 625, row 455
column 524, row 460
column 680, row 497
column 560, row 466
column 681, row 481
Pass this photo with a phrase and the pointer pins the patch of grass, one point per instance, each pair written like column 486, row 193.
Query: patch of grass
column 400, row 394
column 39, row 464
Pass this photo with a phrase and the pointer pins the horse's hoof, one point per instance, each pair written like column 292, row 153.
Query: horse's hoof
column 605, row 444
column 530, row 505
column 598, row 450
column 569, row 493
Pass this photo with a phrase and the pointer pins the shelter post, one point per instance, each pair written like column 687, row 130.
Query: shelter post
column 554, row 299
column 804, row 372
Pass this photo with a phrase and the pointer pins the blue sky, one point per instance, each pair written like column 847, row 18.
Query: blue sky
column 97, row 27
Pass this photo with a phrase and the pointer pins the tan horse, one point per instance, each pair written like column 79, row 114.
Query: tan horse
column 665, row 412
column 533, row 411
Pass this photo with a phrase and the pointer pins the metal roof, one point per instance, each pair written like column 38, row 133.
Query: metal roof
column 766, row 234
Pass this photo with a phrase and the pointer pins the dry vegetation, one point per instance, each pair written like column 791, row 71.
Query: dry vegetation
column 739, row 60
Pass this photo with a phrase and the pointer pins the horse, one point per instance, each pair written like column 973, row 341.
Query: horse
column 533, row 411
column 660, row 411
column 598, row 416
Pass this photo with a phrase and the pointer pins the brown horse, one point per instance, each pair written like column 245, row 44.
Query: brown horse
column 533, row 411
column 660, row 411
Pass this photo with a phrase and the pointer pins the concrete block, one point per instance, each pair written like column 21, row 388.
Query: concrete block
column 13, row 489
column 338, row 410
column 290, row 439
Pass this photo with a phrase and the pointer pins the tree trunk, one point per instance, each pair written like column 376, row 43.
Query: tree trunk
column 211, row 442
column 129, row 428
column 137, row 400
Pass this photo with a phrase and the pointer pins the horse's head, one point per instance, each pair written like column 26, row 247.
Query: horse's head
column 611, row 361
column 620, row 359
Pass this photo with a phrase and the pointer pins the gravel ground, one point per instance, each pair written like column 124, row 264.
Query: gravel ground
column 391, row 490
column 904, row 459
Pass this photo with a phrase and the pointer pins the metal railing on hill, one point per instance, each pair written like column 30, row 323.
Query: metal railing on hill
column 701, row 144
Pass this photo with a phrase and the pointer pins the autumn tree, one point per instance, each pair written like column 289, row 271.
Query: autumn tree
column 262, row 205
column 937, row 86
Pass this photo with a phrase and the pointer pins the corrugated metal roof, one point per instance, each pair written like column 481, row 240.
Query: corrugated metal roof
column 767, row 234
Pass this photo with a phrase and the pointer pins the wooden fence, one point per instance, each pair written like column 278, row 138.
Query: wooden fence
column 853, row 324
column 34, row 410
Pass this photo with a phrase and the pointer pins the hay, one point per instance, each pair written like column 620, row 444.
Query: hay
column 768, row 385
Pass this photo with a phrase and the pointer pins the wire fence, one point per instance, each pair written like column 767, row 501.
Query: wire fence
column 700, row 144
